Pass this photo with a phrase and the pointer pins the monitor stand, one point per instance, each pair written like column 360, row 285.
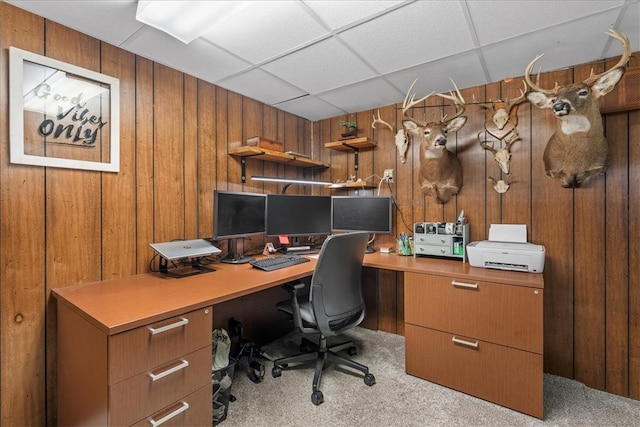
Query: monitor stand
column 370, row 249
column 178, row 272
column 233, row 257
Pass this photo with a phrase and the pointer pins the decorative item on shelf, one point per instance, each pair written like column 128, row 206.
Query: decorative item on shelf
column 351, row 129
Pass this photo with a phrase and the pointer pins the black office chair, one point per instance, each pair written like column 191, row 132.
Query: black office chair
column 334, row 305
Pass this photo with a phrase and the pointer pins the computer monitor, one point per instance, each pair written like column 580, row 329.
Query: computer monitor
column 237, row 215
column 297, row 215
column 372, row 214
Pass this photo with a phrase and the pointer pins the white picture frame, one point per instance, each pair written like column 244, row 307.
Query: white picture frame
column 61, row 115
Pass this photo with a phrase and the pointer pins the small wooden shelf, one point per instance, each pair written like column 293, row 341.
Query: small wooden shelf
column 276, row 156
column 351, row 144
column 350, row 186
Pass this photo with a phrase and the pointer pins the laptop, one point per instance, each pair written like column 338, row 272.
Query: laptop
column 185, row 249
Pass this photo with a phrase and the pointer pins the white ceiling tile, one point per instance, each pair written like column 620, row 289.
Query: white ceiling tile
column 310, row 108
column 327, row 65
column 557, row 45
column 629, row 26
column 260, row 85
column 348, row 12
column 464, row 69
column 496, row 20
column 411, row 35
column 360, row 96
column 265, row 29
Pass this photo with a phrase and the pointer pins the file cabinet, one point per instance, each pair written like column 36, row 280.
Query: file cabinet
column 150, row 374
column 479, row 337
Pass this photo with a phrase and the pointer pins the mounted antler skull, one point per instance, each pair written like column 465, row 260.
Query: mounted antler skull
column 578, row 150
column 501, row 155
column 503, row 112
column 440, row 169
column 401, row 140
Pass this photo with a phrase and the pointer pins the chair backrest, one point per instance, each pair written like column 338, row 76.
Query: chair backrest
column 336, row 286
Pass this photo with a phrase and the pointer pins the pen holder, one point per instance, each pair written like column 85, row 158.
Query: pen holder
column 404, row 245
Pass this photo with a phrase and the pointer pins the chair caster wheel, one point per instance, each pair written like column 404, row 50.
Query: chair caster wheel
column 369, row 379
column 276, row 371
column 352, row 351
column 317, row 397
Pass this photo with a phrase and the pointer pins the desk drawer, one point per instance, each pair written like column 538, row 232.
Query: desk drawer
column 503, row 375
column 433, row 239
column 193, row 410
column 141, row 349
column 432, row 250
column 502, row 314
column 142, row 395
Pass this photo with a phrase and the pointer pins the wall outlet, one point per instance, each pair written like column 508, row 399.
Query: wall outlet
column 388, row 175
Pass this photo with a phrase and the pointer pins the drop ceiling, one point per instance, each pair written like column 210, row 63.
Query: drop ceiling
column 321, row 59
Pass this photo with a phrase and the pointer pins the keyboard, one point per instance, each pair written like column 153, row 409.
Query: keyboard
column 278, row 262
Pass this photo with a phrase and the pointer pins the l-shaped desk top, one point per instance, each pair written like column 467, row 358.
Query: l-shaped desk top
column 117, row 305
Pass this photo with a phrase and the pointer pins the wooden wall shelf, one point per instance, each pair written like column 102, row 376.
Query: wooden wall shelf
column 351, row 144
column 350, row 186
column 276, row 156
column 260, row 153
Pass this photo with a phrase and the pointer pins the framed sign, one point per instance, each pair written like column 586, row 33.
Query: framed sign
column 62, row 115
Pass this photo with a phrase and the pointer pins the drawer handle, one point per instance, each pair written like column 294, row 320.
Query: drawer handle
column 167, row 417
column 178, row 367
column 183, row 321
column 464, row 285
column 463, row 342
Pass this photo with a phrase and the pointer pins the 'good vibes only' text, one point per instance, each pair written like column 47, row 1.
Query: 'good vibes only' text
column 74, row 125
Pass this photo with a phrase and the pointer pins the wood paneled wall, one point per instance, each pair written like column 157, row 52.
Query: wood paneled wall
column 63, row 227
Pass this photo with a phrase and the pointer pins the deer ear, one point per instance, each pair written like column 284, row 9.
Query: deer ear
column 410, row 126
column 607, row 82
column 539, row 99
column 456, row 123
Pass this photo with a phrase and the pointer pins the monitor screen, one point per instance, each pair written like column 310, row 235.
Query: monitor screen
column 361, row 213
column 298, row 215
column 238, row 214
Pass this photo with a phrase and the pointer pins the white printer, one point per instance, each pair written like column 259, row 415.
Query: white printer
column 507, row 249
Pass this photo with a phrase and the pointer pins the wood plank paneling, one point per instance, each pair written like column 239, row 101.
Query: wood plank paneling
column 552, row 226
column 22, row 251
column 589, row 292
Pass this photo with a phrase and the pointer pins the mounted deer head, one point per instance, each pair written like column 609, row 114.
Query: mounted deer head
column 578, row 150
column 402, row 142
column 440, row 169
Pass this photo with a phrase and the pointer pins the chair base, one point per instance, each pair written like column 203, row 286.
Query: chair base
column 321, row 353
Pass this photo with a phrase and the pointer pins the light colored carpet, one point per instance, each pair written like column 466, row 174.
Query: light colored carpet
column 398, row 399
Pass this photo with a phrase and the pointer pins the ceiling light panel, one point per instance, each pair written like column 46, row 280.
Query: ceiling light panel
column 184, row 20
column 419, row 32
column 265, row 30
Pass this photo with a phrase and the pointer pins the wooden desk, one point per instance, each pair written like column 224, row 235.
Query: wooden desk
column 107, row 351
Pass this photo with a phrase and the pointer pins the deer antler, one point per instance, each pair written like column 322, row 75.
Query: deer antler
column 379, row 120
column 533, row 85
column 515, row 101
column 409, row 99
column 485, row 144
column 457, row 99
column 626, row 54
